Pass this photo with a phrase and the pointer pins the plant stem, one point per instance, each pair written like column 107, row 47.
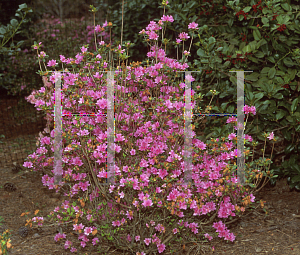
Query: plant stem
column 95, row 33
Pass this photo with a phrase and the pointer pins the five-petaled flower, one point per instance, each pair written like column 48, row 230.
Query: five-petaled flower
column 193, row 25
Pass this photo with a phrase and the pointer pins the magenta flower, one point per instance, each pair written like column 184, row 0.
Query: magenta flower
column 87, row 231
column 52, row 63
column 28, row 164
column 193, row 25
column 247, row 109
column 184, row 36
column 83, row 49
column 95, row 241
column 161, row 247
column 178, row 41
column 153, row 35
column 147, row 241
column 271, row 136
column 67, row 244
column 167, row 18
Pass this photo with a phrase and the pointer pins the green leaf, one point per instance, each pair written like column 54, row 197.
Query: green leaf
column 286, row 19
column 278, row 96
column 247, row 9
column 292, row 73
column 22, row 6
column 286, row 7
column 252, row 76
column 265, row 20
column 288, row 62
column 259, row 95
column 256, row 34
column 271, row 59
column 294, row 105
column 265, row 70
column 201, row 53
column 259, row 54
column 14, row 22
column 247, row 49
column 272, row 73
column 280, row 114
column 2, row 30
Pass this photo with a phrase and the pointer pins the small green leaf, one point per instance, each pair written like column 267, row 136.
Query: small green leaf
column 286, row 7
column 22, row 6
column 2, row 30
column 294, row 105
column 256, row 34
column 201, row 53
column 247, row 49
column 14, row 22
column 247, row 9
column 259, row 54
column 211, row 40
column 272, row 73
column 265, row 20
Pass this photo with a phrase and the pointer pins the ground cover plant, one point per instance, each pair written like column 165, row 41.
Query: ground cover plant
column 215, row 190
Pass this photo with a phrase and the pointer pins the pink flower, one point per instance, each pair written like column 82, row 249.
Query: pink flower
column 271, row 136
column 59, row 236
column 95, row 241
column 248, row 109
column 67, row 244
column 147, row 241
column 167, row 18
column 28, row 164
column 98, row 29
column 153, row 35
column 83, row 49
column 87, row 231
column 208, row 236
column 147, row 202
column 137, row 238
column 231, row 136
column 52, row 63
column 193, row 25
column 132, row 152
column 184, row 36
column 73, row 249
column 161, row 247
column 175, row 230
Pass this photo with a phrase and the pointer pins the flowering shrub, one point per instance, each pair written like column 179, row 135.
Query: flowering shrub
column 218, row 192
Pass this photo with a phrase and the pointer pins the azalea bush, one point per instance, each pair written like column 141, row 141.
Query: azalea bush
column 151, row 193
